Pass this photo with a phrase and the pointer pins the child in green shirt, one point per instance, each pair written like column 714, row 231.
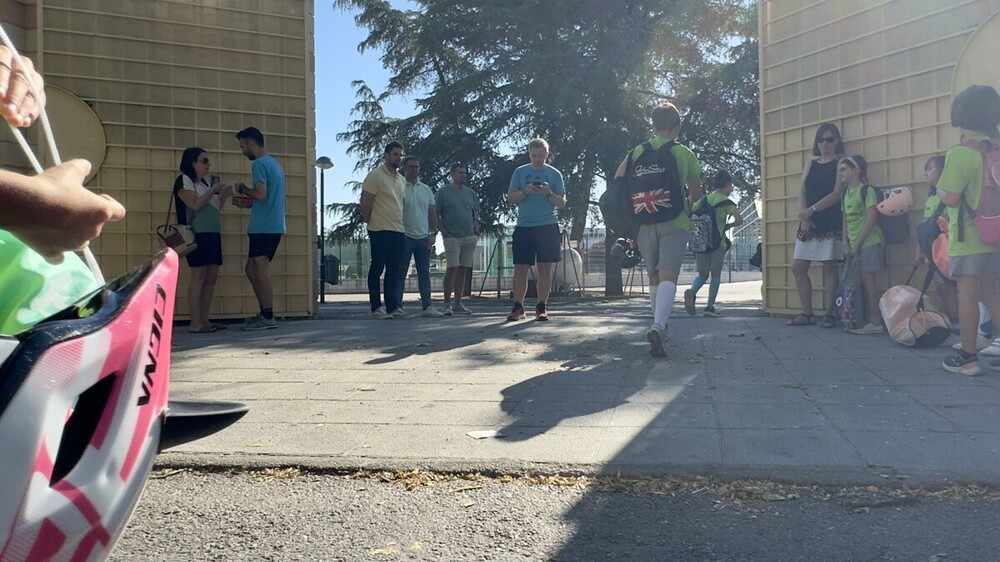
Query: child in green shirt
column 863, row 238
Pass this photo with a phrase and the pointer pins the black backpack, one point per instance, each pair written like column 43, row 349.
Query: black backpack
column 895, row 229
column 616, row 209
column 657, row 194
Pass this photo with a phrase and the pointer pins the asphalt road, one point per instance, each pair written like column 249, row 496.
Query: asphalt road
column 275, row 515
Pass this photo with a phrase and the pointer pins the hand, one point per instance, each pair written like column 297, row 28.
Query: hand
column 806, row 213
column 805, row 225
column 67, row 215
column 430, row 240
column 227, row 192
column 17, row 104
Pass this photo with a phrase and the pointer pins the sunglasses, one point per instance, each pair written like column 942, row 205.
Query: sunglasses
column 204, row 160
column 828, row 139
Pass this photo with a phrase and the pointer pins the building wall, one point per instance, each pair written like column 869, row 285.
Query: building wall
column 884, row 71
column 169, row 74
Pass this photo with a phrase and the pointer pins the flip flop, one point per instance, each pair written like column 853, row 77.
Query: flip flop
column 801, row 320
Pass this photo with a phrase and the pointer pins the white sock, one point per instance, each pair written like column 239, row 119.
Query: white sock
column 665, row 294
column 652, row 297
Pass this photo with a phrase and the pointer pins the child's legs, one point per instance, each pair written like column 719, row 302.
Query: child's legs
column 969, row 287
column 868, row 281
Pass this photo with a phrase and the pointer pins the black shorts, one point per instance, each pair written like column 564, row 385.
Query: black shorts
column 209, row 250
column 536, row 243
column 264, row 245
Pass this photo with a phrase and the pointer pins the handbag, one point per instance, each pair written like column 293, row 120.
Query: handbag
column 178, row 236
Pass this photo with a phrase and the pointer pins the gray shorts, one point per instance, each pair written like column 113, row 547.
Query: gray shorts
column 976, row 264
column 458, row 252
column 872, row 259
column 711, row 261
column 662, row 246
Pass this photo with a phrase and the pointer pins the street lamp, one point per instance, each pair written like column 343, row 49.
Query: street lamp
column 324, row 164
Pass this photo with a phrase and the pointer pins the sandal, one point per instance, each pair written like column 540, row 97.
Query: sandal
column 827, row 322
column 801, row 320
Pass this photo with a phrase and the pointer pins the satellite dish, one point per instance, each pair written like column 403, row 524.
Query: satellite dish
column 77, row 129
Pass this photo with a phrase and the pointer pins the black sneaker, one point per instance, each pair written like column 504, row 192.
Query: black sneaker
column 963, row 364
column 540, row 313
column 516, row 313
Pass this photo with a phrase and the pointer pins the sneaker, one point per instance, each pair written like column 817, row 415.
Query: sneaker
column 250, row 319
column 656, row 335
column 994, row 364
column 710, row 312
column 689, row 302
column 986, row 329
column 868, row 328
column 380, row 313
column 398, row 313
column 431, row 312
column 540, row 314
column 447, row 311
column 981, row 343
column 993, row 350
column 260, row 323
column 963, row 364
column 516, row 313
column 459, row 308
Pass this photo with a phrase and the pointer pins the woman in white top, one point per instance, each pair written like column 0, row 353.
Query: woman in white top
column 199, row 201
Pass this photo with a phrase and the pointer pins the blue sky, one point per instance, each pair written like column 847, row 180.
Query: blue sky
column 338, row 63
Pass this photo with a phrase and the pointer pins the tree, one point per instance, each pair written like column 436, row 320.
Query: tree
column 491, row 75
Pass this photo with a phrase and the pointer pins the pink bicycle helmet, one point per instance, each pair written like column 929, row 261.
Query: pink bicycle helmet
column 897, row 201
column 83, row 412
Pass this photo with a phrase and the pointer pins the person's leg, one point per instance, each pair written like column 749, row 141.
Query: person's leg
column 208, row 291
column 199, row 320
column 968, row 310
column 544, row 281
column 831, row 282
column 803, row 285
column 262, row 270
column 713, row 286
column 868, row 281
column 466, row 254
column 672, row 246
column 458, row 285
column 404, row 267
column 379, row 253
column 422, row 262
column 251, row 272
column 449, row 274
column 393, row 261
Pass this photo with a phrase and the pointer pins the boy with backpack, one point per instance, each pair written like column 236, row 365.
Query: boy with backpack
column 659, row 174
column 967, row 185
column 713, row 210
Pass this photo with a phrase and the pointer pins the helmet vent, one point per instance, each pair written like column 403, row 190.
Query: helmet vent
column 81, row 425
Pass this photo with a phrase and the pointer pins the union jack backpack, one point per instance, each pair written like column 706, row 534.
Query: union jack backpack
column 655, row 184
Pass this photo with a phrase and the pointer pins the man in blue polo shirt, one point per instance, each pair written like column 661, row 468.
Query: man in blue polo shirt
column 538, row 190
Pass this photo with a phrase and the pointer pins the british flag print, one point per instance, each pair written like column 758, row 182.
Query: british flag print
column 651, row 201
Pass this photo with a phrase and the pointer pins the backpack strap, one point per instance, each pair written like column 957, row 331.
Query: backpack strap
column 981, row 148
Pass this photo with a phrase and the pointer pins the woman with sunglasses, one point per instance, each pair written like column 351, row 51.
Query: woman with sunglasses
column 199, row 201
column 820, row 234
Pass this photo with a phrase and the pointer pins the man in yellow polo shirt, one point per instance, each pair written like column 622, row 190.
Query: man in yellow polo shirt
column 382, row 210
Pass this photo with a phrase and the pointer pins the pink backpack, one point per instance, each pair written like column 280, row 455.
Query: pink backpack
column 987, row 217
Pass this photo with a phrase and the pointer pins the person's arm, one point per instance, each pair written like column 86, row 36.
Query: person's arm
column 843, row 227
column 432, row 220
column 695, row 190
column 804, row 212
column 258, row 192
column 515, row 194
column 737, row 218
column 367, row 203
column 53, row 212
column 196, row 202
column 869, row 226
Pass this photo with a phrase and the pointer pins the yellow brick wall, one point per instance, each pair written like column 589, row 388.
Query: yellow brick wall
column 169, row 74
column 884, row 72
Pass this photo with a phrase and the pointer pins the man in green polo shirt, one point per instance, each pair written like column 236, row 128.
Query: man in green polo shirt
column 420, row 222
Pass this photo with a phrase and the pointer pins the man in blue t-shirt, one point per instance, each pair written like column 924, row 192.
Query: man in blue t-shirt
column 267, row 223
column 538, row 190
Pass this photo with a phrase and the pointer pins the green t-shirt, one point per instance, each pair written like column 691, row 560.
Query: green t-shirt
column 688, row 167
column 856, row 212
column 722, row 213
column 963, row 173
column 931, row 206
column 33, row 289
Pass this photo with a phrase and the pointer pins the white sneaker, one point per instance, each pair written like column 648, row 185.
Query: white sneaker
column 380, row 313
column 459, row 308
column 656, row 335
column 993, row 349
column 981, row 343
column 431, row 312
column 398, row 313
column 447, row 311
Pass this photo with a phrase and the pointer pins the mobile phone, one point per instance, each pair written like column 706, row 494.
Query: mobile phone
column 214, row 180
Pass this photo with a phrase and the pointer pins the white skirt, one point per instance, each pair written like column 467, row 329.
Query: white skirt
column 830, row 249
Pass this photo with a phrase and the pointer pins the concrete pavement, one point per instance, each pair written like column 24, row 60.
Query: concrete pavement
column 738, row 396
